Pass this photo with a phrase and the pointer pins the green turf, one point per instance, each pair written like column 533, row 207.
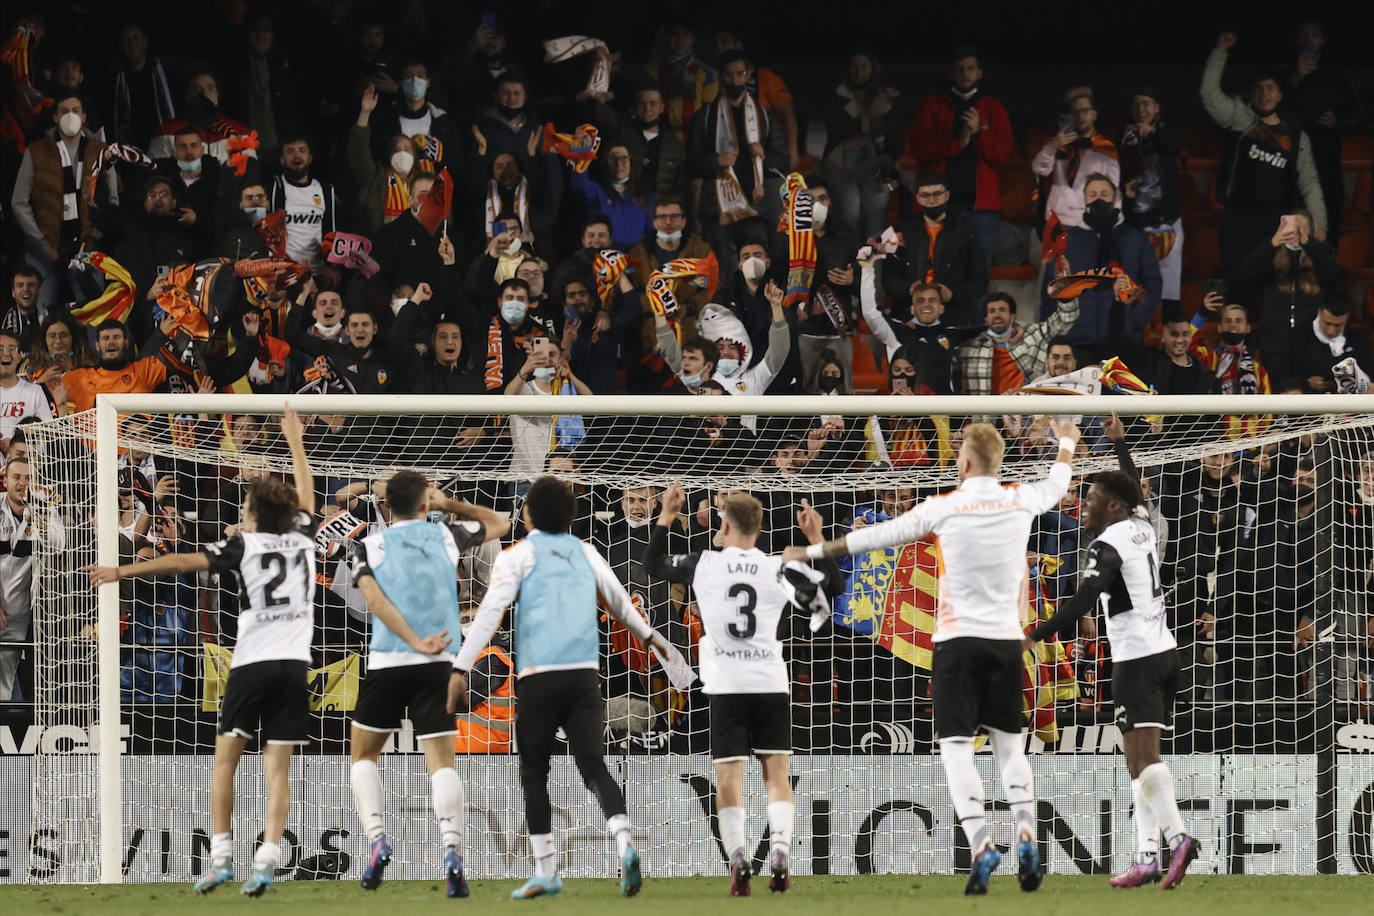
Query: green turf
column 888, row 894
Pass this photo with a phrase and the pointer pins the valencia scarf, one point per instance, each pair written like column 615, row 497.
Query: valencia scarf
column 522, row 204
column 397, row 200
column 578, row 147
column 704, row 271
column 557, row 50
column 608, row 266
column 118, row 297
column 801, row 239
column 734, row 206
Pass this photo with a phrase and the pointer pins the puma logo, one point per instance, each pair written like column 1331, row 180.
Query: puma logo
column 565, row 557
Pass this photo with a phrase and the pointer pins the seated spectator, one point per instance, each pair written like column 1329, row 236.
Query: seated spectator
column 687, row 84
column 511, row 329
column 204, row 189
column 668, row 242
column 966, row 135
column 1295, row 273
column 1070, row 157
column 432, row 132
column 239, row 238
column 1266, row 167
column 862, row 143
column 748, row 298
column 1327, row 342
column 593, row 332
column 1149, row 150
column 613, row 188
column 1103, row 240
column 1006, row 353
column 312, row 209
column 929, row 343
column 939, row 247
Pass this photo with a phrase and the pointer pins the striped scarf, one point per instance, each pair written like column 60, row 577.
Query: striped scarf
column 116, row 301
column 704, row 272
column 801, row 239
column 397, row 199
column 608, row 266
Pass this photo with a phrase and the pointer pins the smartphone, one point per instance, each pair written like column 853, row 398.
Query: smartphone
column 1288, row 223
column 1214, row 286
column 489, row 22
column 498, row 226
column 1065, row 122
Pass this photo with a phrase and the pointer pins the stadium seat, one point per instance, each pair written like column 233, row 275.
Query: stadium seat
column 1201, row 251
column 867, row 375
column 1016, row 186
column 1036, row 135
column 1357, row 153
column 1353, row 248
column 1020, row 273
column 1201, row 139
column 1360, row 198
column 1192, row 200
column 1190, row 297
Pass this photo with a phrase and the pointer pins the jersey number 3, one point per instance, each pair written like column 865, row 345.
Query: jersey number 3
column 748, row 600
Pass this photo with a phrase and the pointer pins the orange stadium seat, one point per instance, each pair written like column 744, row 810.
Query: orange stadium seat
column 867, row 375
column 1357, row 153
column 1353, row 248
column 1201, row 251
column 1016, row 186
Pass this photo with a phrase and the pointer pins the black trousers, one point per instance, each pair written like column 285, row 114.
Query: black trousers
column 570, row 700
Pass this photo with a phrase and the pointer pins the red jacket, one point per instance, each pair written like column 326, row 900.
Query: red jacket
column 931, row 141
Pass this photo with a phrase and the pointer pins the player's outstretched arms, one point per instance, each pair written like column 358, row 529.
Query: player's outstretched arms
column 656, row 559
column 294, row 432
column 175, row 563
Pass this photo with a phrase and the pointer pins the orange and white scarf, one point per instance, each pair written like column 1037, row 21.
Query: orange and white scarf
column 703, row 271
column 522, row 205
column 734, row 205
column 801, row 239
column 557, row 50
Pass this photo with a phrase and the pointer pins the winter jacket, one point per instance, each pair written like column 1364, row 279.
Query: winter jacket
column 960, row 263
column 1137, row 259
column 934, row 142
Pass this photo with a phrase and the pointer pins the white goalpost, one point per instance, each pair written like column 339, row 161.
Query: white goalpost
column 1264, row 506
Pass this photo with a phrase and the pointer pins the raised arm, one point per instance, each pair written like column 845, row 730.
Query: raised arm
column 910, row 526
column 294, row 432
column 175, row 563
column 1043, row 495
column 779, row 335
column 497, row 525
column 1115, row 430
column 656, row 559
column 868, row 305
column 1220, row 107
column 1104, row 565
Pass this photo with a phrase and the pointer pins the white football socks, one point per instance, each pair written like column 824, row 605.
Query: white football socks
column 619, row 829
column 545, row 855
column 781, row 814
column 447, row 791
column 1146, row 824
column 222, row 847
column 731, row 828
column 367, row 796
column 1158, row 785
column 965, row 790
column 1017, row 780
column 268, row 856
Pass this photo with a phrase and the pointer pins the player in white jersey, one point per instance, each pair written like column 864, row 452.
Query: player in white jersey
column 1122, row 576
column 741, row 594
column 977, row 666
column 273, row 556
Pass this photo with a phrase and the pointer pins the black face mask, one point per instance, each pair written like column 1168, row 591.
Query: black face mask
column 827, row 383
column 1232, row 338
column 908, row 377
column 735, row 92
column 651, row 124
column 1100, row 216
column 935, row 213
column 510, row 114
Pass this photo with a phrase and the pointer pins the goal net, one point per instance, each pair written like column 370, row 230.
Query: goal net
column 1266, row 527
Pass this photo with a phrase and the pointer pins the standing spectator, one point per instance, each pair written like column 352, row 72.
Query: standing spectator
column 1005, row 353
column 928, row 343
column 544, row 372
column 20, row 316
column 509, row 124
column 61, row 347
column 310, row 204
column 203, row 188
column 736, row 371
column 1266, row 167
column 1105, row 239
column 1073, row 154
column 357, row 354
column 510, row 334
column 614, row 188
column 660, row 151
column 669, row 241
column 687, row 84
column 1328, row 342
column 1295, row 273
column 967, row 136
column 432, row 132
column 114, row 372
column 941, row 247
column 862, row 143
column 593, row 333
column 152, row 240
column 142, row 96
column 69, row 78
column 735, row 146
column 771, row 92
column 263, row 85
column 17, row 534
column 50, row 201
column 240, row 238
column 748, row 299
column 1149, row 178
column 383, row 188
column 1171, row 368
column 18, row 399
column 1323, row 99
column 201, row 110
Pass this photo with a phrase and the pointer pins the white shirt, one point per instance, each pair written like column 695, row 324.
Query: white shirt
column 981, row 529
column 17, row 546
column 19, row 401
column 749, row 381
column 305, row 208
column 1133, row 601
column 741, row 603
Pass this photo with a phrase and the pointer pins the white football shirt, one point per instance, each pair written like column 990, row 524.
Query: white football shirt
column 1132, row 601
column 741, row 603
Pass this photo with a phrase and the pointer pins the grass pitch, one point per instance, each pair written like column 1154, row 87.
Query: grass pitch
column 1216, row 895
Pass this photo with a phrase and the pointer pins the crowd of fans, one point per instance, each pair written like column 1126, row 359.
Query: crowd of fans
column 451, row 239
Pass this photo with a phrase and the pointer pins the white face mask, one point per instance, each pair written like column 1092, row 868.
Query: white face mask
column 636, row 522
column 402, row 161
column 670, row 238
column 69, row 124
column 328, row 330
column 514, row 246
column 819, row 212
column 398, row 303
column 753, row 269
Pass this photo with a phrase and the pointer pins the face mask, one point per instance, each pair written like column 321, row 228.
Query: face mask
column 513, row 311
column 545, row 374
column 727, row 366
column 69, row 124
column 398, row 303
column 255, row 213
column 691, row 381
column 1232, row 338
column 735, row 92
column 819, row 212
column 636, row 522
column 192, row 166
column 908, row 377
column 1001, row 335
column 514, row 245
column 1100, row 215
column 650, row 125
column 328, row 330
column 935, row 213
column 507, row 112
column 415, row 88
column 402, row 161
column 620, row 182
column 827, row 383
column 670, row 238
column 753, row 269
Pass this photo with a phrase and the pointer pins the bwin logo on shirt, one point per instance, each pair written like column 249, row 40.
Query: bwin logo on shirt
column 304, row 219
column 1277, row 160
